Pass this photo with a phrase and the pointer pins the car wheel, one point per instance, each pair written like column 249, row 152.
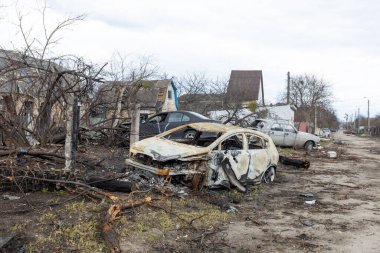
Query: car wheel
column 190, row 134
column 269, row 175
column 309, row 146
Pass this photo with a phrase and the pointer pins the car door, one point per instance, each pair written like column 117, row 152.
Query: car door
column 230, row 160
column 276, row 132
column 259, row 156
column 290, row 136
column 153, row 125
column 174, row 120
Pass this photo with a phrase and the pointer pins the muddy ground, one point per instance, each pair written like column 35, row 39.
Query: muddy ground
column 269, row 218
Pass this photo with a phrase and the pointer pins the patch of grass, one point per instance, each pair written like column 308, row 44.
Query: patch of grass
column 17, row 227
column 60, row 192
column 182, row 214
column 47, row 217
column 98, row 207
column 74, row 207
column 82, row 237
column 286, row 151
column 256, row 189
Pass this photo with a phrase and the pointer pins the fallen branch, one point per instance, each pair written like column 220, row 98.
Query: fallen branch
column 105, row 194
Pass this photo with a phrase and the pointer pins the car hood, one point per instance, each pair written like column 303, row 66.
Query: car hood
column 161, row 149
column 308, row 136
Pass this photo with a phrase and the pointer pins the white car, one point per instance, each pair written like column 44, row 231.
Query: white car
column 217, row 155
column 285, row 134
column 325, row 133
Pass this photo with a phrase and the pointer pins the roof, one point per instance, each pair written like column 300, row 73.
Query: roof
column 146, row 96
column 22, row 74
column 244, row 85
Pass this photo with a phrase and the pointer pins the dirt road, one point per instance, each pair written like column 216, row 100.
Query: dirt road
column 345, row 217
column 270, row 218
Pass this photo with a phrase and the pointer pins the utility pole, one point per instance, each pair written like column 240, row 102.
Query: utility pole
column 369, row 124
column 288, row 90
column 358, row 120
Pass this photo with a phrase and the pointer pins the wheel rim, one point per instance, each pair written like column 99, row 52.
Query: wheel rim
column 269, row 175
column 190, row 135
column 309, row 146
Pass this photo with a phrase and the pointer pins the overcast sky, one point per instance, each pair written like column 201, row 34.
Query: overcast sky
column 338, row 41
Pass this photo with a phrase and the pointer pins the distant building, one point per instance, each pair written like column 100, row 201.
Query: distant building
column 246, row 86
column 282, row 111
column 153, row 96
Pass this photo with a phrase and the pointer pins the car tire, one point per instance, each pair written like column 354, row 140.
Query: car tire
column 269, row 175
column 190, row 134
column 309, row 145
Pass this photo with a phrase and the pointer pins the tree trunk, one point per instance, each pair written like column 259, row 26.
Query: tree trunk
column 117, row 114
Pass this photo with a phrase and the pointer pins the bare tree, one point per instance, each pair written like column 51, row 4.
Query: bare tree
column 310, row 94
column 201, row 94
column 38, row 89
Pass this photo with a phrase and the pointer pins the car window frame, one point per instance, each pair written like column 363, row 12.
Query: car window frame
column 292, row 127
column 277, row 130
column 219, row 146
column 150, row 120
column 174, row 113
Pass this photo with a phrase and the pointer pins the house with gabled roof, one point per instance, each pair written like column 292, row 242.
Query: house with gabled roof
column 152, row 95
column 246, row 86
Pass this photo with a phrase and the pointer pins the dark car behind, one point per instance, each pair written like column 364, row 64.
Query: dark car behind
column 164, row 121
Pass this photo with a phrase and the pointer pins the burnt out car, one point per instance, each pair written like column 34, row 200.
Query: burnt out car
column 216, row 155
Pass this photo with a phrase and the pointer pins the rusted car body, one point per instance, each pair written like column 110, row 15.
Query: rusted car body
column 218, row 155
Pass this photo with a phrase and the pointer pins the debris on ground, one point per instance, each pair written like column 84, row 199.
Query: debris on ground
column 331, row 154
column 4, row 240
column 307, row 222
column 232, row 209
column 309, row 198
column 10, row 197
column 296, row 162
column 339, row 142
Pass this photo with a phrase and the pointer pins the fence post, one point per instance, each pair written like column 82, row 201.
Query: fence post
column 135, row 126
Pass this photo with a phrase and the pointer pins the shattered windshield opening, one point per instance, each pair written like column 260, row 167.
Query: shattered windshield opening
column 191, row 136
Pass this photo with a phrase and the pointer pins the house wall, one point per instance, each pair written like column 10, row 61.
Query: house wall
column 284, row 112
column 169, row 104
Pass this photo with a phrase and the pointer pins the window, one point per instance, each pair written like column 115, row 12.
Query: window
column 175, row 117
column 289, row 129
column 158, row 118
column 255, row 142
column 277, row 127
column 169, row 94
column 198, row 115
column 234, row 142
column 185, row 118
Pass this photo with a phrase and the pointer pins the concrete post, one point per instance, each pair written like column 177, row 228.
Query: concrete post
column 135, row 126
